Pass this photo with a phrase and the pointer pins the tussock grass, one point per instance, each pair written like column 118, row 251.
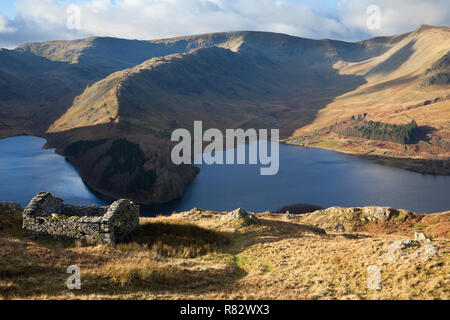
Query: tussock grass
column 175, row 239
column 138, row 270
column 11, row 223
column 197, row 256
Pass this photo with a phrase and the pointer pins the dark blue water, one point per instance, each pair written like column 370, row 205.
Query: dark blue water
column 313, row 176
column 26, row 169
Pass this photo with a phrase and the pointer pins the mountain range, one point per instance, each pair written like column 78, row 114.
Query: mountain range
column 109, row 105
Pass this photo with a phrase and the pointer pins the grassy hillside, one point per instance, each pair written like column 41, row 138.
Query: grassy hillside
column 286, row 69
column 204, row 255
column 407, row 82
column 249, row 79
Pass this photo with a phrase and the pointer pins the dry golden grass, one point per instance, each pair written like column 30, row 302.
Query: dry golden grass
column 197, row 255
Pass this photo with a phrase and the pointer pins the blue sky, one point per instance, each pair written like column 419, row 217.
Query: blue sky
column 7, row 7
column 39, row 20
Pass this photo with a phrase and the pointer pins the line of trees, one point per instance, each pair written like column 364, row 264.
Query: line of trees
column 371, row 130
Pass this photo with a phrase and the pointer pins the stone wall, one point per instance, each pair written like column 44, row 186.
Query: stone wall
column 47, row 216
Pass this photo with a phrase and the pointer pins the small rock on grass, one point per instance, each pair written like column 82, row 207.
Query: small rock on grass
column 241, row 214
column 431, row 250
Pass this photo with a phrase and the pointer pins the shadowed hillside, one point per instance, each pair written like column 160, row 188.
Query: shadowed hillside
column 263, row 79
column 223, row 88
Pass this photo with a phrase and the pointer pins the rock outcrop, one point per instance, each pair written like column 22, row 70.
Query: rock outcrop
column 409, row 250
column 241, row 214
column 288, row 216
column 341, row 219
column 420, row 236
column 47, row 216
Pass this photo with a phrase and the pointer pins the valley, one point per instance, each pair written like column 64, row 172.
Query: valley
column 407, row 83
column 102, row 102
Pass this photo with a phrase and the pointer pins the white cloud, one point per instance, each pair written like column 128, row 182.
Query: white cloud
column 38, row 20
column 4, row 27
column 396, row 16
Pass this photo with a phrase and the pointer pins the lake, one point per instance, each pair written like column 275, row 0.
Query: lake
column 26, row 169
column 312, row 176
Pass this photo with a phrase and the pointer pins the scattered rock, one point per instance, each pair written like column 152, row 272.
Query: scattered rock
column 241, row 214
column 430, row 250
column 339, row 227
column 420, row 237
column 332, row 210
column 288, row 216
column 374, row 278
column 379, row 213
column 396, row 249
column 402, row 245
column 354, row 210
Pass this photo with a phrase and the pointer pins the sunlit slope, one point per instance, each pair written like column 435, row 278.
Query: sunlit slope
column 409, row 81
column 39, row 81
column 245, row 79
column 302, row 67
column 397, row 81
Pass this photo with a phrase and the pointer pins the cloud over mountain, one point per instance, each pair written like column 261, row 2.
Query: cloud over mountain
column 37, row 20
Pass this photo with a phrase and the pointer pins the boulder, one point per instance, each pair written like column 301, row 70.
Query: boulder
column 402, row 245
column 288, row 216
column 430, row 250
column 418, row 236
column 374, row 278
column 397, row 249
column 339, row 227
column 379, row 213
column 241, row 214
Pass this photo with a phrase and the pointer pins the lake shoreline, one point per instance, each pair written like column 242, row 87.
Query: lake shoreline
column 307, row 175
column 418, row 165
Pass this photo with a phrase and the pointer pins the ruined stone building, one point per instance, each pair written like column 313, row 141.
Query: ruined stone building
column 47, row 216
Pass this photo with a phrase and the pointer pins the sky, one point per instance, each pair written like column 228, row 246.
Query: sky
column 350, row 20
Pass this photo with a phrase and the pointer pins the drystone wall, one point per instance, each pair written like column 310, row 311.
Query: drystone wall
column 48, row 217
